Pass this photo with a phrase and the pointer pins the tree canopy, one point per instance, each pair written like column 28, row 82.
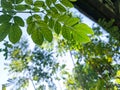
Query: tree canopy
column 55, row 31
column 45, row 18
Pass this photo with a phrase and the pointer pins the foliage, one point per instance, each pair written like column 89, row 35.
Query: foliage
column 46, row 17
column 37, row 66
column 97, row 66
column 108, row 26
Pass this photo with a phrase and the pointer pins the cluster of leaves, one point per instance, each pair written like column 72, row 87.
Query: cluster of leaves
column 110, row 28
column 97, row 66
column 30, row 66
column 46, row 17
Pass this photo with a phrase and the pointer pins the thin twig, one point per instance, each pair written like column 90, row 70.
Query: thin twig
column 33, row 83
column 72, row 58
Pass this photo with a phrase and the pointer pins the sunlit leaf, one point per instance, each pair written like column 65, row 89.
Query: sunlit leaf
column 83, row 28
column 53, row 9
column 63, row 18
column 66, row 3
column 66, row 32
column 72, row 21
column 60, row 8
column 80, row 37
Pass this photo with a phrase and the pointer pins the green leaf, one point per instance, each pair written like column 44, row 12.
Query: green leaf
column 63, row 18
column 30, row 28
column 53, row 9
column 29, row 19
column 20, row 7
column 72, row 21
column 5, row 18
column 48, row 2
column 83, row 28
column 37, row 37
column 60, row 8
column 4, row 30
column 18, row 20
column 29, row 2
column 3, row 87
column 47, row 33
column 38, row 3
column 67, row 3
column 80, row 37
column 33, row 18
column 46, row 19
column 16, row 1
column 53, row 1
column 41, row 23
column 37, row 17
column 51, row 23
column 66, row 32
column 57, row 27
column 14, row 33
column 35, row 9
column 6, row 4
